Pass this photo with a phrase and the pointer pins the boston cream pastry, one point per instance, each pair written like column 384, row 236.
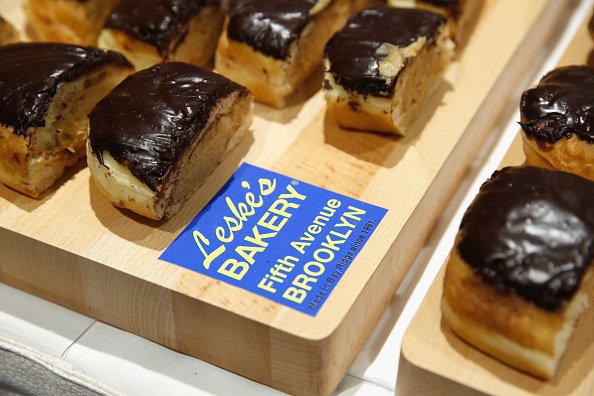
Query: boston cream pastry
column 557, row 119
column 46, row 92
column 67, row 21
column 8, row 33
column 382, row 64
column 461, row 14
column 521, row 272
column 272, row 46
column 151, row 31
column 156, row 136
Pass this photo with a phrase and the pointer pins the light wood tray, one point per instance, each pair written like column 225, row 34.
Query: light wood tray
column 430, row 344
column 74, row 248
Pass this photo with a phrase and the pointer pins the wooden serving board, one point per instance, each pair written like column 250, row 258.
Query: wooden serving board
column 430, row 344
column 74, row 248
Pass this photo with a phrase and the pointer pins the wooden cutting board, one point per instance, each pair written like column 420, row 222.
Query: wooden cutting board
column 430, row 344
column 74, row 248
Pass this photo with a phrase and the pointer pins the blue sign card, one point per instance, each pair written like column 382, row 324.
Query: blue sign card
column 281, row 238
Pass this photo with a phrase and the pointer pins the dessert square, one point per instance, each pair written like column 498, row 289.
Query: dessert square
column 380, row 67
column 157, row 136
column 148, row 32
column 521, row 272
column 46, row 92
column 273, row 46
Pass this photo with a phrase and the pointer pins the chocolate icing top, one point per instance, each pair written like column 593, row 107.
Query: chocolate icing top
column 531, row 231
column 148, row 120
column 353, row 51
column 30, row 74
column 270, row 26
column 561, row 106
column 157, row 22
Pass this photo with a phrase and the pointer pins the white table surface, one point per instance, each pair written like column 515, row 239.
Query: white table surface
column 131, row 365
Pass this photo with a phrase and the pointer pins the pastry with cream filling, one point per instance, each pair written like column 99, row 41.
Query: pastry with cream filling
column 521, row 272
column 382, row 65
column 152, row 31
column 46, row 92
column 67, row 21
column 273, row 46
column 157, row 136
column 8, row 33
column 557, row 119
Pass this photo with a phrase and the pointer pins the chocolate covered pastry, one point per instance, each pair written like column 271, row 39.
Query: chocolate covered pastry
column 382, row 65
column 521, row 272
column 151, row 31
column 557, row 119
column 273, row 46
column 67, row 21
column 46, row 92
column 157, row 136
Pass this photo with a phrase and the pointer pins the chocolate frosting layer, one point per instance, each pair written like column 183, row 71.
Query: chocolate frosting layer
column 148, row 120
column 353, row 52
column 270, row 26
column 160, row 23
column 531, row 231
column 30, row 74
column 562, row 105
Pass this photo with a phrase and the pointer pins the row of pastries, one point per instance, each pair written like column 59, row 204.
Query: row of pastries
column 154, row 138
column 270, row 47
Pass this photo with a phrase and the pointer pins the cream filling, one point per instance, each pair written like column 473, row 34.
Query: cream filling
column 402, row 3
column 366, row 104
column 391, row 59
column 119, row 182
